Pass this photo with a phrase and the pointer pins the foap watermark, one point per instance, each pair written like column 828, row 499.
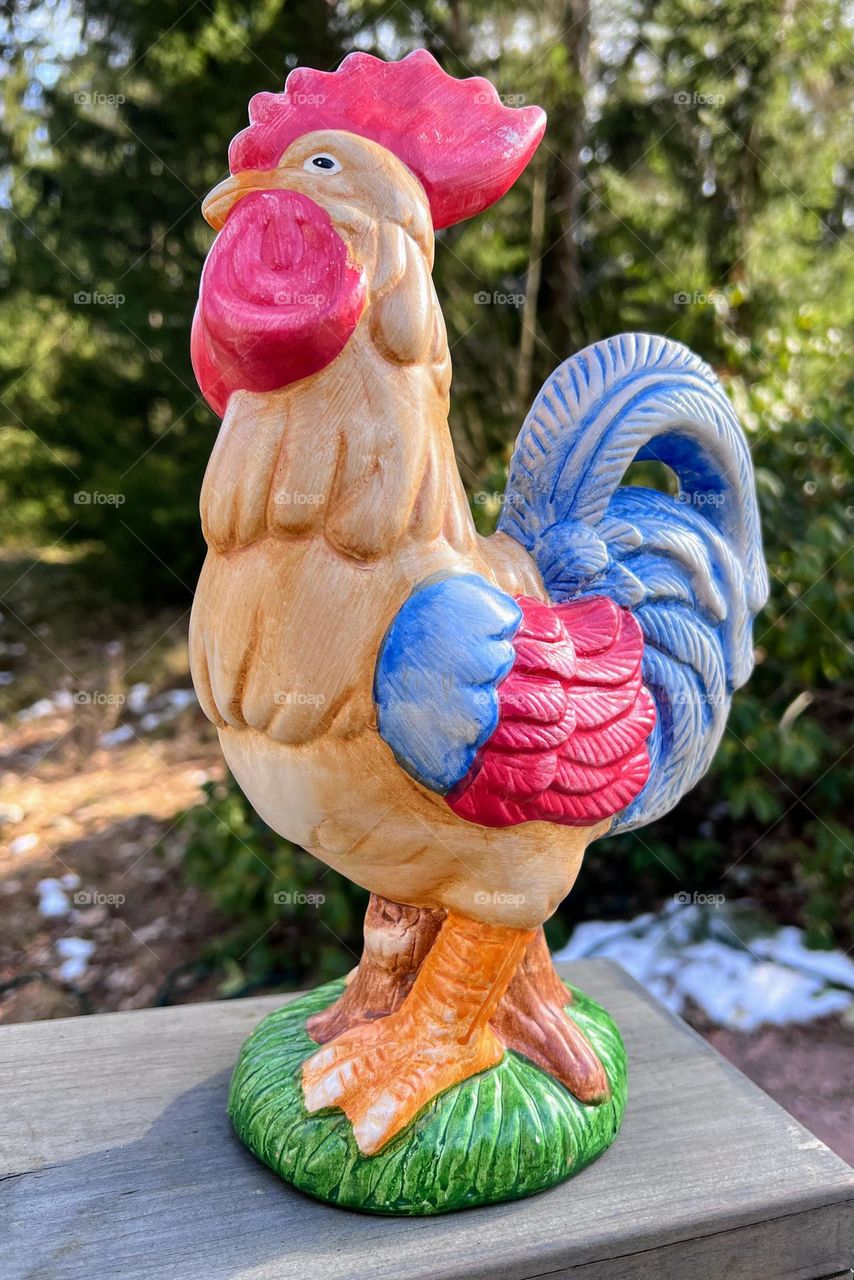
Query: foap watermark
column 83, row 298
column 496, row 298
column 484, row 98
column 95, row 898
column 297, row 898
column 685, row 899
column 490, row 498
column 701, row 498
column 289, row 298
column 297, row 498
column 95, row 98
column 691, row 697
column 97, row 698
column 97, row 498
column 496, row 899
column 714, row 298
column 295, row 98
column 683, row 98
column 298, row 698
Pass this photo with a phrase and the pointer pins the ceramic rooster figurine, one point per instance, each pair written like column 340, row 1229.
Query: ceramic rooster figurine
column 448, row 720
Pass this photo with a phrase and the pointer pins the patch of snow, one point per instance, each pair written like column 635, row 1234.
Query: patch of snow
column 693, row 952
column 7, row 677
column 23, row 844
column 166, row 708
column 154, row 711
column 137, row 697
column 181, row 698
column 53, row 900
column 62, row 700
column 38, row 710
column 121, row 733
column 75, row 954
column 787, row 947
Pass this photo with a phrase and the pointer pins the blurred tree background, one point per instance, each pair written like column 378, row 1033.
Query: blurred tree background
column 696, row 180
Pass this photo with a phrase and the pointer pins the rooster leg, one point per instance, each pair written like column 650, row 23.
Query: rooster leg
column 531, row 1021
column 382, row 1073
column 397, row 938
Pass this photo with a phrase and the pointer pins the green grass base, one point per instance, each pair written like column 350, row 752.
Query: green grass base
column 506, row 1133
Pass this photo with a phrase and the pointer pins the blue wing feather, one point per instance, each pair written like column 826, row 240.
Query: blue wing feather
column 435, row 686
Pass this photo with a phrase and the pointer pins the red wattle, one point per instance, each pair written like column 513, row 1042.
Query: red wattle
column 280, row 297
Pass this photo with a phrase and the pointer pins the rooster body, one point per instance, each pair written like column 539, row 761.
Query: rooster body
column 448, row 720
column 290, row 680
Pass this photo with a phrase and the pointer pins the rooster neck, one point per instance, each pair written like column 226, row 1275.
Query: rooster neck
column 360, row 454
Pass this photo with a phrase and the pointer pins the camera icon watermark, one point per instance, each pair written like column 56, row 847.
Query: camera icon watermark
column 94, row 898
column 483, row 98
column 289, row 298
column 97, row 698
column 83, row 298
column 296, row 498
column 484, row 898
column 693, row 697
column 702, row 498
column 287, row 898
column 682, row 298
column 297, row 99
column 298, row 698
column 491, row 498
column 96, row 498
column 683, row 98
column 485, row 298
column 686, row 899
column 94, row 98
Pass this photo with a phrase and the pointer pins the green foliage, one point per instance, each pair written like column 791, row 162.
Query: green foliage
column 105, row 166
column 697, row 182
column 287, row 917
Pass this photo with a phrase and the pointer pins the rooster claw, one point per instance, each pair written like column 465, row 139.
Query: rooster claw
column 382, row 1073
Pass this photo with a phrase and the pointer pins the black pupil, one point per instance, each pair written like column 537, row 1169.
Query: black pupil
column 324, row 162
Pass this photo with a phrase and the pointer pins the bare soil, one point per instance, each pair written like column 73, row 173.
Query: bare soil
column 806, row 1069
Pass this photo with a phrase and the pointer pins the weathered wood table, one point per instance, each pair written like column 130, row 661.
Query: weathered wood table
column 117, row 1160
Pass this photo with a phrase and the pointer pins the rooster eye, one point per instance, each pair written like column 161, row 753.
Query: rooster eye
column 322, row 163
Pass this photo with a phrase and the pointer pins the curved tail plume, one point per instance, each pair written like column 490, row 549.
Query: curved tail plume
column 689, row 567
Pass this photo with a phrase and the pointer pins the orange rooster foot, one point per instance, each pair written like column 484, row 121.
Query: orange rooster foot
column 382, row 1073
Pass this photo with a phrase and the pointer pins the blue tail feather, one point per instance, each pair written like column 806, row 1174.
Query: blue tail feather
column 690, row 567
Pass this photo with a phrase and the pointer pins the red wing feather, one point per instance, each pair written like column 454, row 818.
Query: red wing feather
column 528, row 735
column 574, row 718
column 594, row 624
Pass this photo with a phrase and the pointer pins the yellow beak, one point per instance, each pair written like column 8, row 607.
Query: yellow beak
column 219, row 202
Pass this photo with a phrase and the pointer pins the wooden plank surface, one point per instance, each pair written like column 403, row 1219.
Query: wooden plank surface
column 117, row 1160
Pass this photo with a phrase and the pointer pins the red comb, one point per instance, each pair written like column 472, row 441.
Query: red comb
column 456, row 136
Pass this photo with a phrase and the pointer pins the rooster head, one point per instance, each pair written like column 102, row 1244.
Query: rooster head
column 336, row 188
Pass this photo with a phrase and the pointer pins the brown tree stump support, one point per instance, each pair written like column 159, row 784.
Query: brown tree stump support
column 530, row 1019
